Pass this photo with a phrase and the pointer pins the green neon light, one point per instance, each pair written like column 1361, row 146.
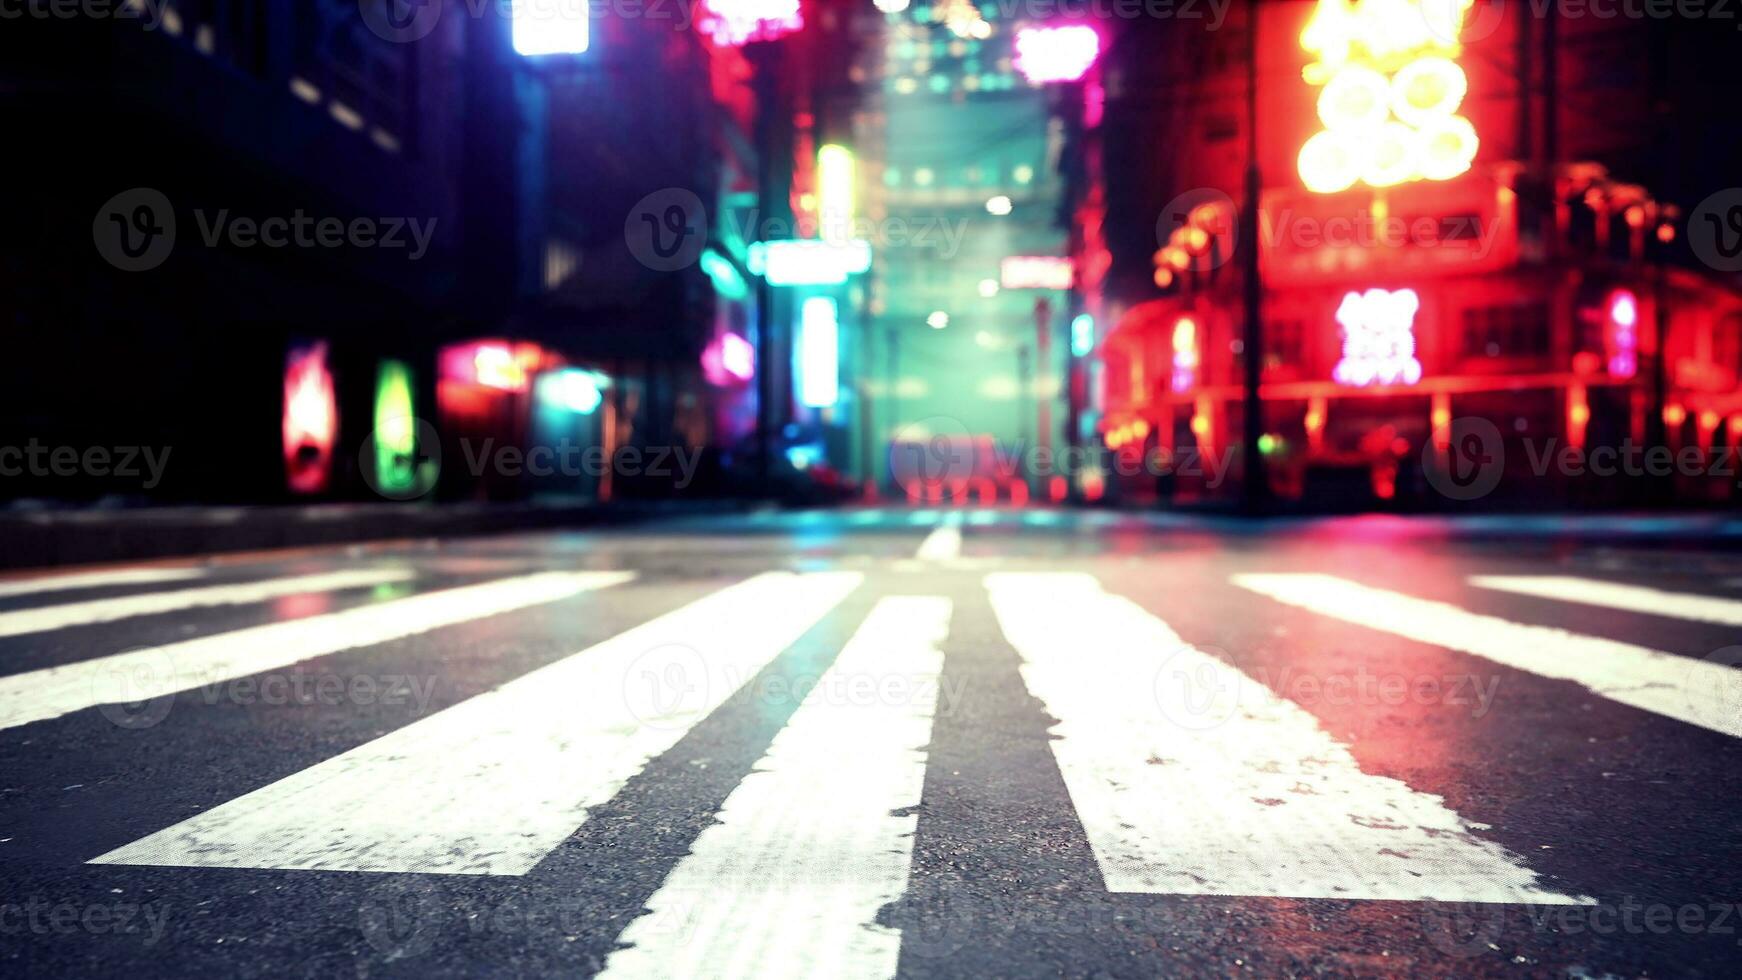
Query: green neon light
column 395, row 430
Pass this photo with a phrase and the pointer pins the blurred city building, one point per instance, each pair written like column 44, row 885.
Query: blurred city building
column 1411, row 285
column 370, row 214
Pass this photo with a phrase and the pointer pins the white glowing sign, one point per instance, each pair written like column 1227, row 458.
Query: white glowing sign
column 732, row 23
column 1378, row 338
column 546, row 27
column 1036, row 272
column 809, row 262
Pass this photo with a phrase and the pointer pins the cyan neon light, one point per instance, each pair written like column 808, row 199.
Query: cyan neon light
column 819, row 381
column 807, row 262
column 1082, row 335
column 572, row 389
column 727, row 281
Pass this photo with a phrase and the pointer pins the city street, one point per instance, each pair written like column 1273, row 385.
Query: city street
column 882, row 741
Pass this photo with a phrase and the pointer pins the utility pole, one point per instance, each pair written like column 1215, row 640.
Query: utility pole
column 1255, row 491
column 764, row 59
column 1043, row 364
column 1024, row 385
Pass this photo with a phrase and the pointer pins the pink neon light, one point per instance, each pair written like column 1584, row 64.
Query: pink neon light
column 1378, row 338
column 311, row 419
column 727, row 360
column 1185, row 353
column 732, row 23
column 1056, row 54
column 1623, row 334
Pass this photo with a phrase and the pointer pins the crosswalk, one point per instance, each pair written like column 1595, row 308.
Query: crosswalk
column 1279, row 807
column 1694, row 691
column 499, row 780
column 1189, row 773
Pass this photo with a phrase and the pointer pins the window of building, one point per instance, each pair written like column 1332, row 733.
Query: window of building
column 1221, row 127
column 1284, row 344
column 1727, row 344
column 1514, row 330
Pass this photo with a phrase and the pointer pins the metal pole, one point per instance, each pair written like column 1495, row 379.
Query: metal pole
column 1256, row 489
column 1043, row 365
column 765, row 91
column 1023, row 386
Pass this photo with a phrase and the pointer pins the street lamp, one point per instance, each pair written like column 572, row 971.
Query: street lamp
column 550, row 27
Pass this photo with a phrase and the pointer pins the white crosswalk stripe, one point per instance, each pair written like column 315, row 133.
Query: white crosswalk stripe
column 1683, row 688
column 819, row 837
column 94, row 580
column 944, row 542
column 1615, row 595
column 1187, row 776
column 45, row 618
column 142, row 675
column 491, row 785
column 1191, row 778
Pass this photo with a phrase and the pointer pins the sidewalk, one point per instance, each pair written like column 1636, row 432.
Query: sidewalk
column 79, row 536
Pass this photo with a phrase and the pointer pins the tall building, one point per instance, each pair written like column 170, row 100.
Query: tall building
column 961, row 174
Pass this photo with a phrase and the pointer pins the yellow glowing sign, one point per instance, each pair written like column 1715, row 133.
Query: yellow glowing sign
column 835, row 179
column 1390, row 96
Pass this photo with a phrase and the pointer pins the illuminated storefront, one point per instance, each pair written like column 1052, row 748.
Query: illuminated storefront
column 1414, row 276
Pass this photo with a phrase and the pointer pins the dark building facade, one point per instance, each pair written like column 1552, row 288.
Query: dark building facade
column 232, row 219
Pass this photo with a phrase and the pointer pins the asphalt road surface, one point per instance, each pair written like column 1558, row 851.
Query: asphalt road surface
column 874, row 743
